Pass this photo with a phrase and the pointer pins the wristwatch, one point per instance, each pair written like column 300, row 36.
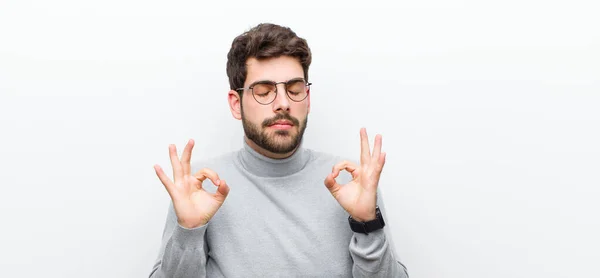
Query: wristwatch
column 369, row 226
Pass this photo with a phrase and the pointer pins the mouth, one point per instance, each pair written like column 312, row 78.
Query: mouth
column 282, row 125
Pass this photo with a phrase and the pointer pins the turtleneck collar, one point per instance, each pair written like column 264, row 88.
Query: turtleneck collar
column 263, row 166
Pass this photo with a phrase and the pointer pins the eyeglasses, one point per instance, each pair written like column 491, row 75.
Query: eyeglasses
column 265, row 91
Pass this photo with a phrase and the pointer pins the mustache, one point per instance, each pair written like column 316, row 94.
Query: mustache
column 268, row 122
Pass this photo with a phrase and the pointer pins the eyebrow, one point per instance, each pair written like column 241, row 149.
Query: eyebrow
column 271, row 81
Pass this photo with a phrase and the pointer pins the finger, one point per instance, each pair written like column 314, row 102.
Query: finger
column 344, row 165
column 194, row 181
column 186, row 157
column 381, row 163
column 365, row 150
column 332, row 184
column 377, row 148
column 208, row 173
column 222, row 191
column 164, row 179
column 175, row 163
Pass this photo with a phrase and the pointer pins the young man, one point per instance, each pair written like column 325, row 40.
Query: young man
column 281, row 212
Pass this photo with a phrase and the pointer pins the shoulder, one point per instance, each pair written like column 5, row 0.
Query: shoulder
column 325, row 161
column 216, row 163
column 319, row 157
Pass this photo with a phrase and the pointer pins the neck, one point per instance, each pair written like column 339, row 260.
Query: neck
column 265, row 164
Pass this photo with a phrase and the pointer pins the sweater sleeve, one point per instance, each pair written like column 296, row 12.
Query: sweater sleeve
column 183, row 251
column 374, row 254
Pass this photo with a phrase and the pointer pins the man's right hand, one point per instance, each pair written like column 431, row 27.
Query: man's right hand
column 193, row 205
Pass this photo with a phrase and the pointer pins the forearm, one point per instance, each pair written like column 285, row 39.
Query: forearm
column 184, row 254
column 373, row 256
column 183, row 251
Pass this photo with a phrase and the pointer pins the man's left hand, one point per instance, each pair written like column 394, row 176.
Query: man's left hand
column 359, row 196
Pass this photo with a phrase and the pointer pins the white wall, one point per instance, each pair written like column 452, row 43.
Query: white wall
column 488, row 110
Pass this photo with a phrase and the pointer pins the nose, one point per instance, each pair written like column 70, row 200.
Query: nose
column 281, row 102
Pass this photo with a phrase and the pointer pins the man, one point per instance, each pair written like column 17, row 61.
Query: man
column 277, row 219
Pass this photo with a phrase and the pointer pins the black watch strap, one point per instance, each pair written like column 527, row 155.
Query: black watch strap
column 368, row 226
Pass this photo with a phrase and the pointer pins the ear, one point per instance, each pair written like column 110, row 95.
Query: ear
column 308, row 100
column 233, row 98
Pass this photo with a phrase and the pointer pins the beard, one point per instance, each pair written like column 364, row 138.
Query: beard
column 280, row 141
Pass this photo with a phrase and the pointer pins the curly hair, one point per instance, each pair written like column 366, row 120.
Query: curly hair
column 266, row 40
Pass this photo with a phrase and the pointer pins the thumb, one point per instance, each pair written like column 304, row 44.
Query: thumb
column 222, row 191
column 332, row 184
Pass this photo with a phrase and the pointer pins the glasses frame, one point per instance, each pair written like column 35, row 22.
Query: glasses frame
column 285, row 84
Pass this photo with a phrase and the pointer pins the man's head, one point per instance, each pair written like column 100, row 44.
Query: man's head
column 259, row 58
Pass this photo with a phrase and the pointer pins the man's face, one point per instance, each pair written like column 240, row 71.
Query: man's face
column 277, row 127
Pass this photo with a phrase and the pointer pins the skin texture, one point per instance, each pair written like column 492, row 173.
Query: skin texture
column 195, row 206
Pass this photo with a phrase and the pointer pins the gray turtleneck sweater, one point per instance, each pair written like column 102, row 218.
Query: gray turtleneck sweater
column 279, row 220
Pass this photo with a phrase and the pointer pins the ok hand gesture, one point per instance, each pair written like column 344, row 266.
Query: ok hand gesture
column 193, row 205
column 359, row 196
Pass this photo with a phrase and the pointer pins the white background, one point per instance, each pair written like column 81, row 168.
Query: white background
column 489, row 113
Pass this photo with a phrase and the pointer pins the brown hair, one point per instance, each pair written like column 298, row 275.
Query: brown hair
column 266, row 40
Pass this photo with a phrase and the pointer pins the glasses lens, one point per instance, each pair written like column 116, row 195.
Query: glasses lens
column 297, row 90
column 264, row 93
